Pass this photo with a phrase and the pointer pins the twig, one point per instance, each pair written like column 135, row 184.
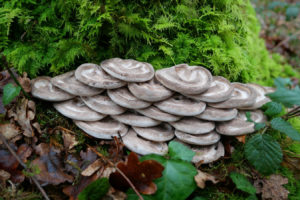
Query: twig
column 285, row 40
column 122, row 174
column 24, row 166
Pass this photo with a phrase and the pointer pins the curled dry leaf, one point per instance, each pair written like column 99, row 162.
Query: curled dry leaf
column 92, row 168
column 202, row 177
column 25, row 82
column 69, row 140
column 271, row 188
column 241, row 138
column 51, row 170
column 9, row 131
column 141, row 174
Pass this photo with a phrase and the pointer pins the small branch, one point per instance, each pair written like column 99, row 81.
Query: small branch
column 122, row 174
column 24, row 166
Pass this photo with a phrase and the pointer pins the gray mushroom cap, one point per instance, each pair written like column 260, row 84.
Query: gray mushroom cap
column 203, row 139
column 134, row 119
column 220, row 90
column 242, row 96
column 185, row 79
column 103, row 104
column 94, row 76
column 124, row 98
column 161, row 133
column 155, row 113
column 151, row 91
column 208, row 154
column 256, row 115
column 105, row 129
column 77, row 110
column 70, row 84
column 235, row 127
column 142, row 146
column 193, row 125
column 218, row 114
column 42, row 88
column 128, row 70
column 182, row 106
column 269, row 89
column 260, row 99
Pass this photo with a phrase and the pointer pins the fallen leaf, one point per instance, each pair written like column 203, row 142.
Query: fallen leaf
column 4, row 176
column 9, row 131
column 87, row 157
column 92, row 168
column 271, row 188
column 115, row 194
column 202, row 177
column 141, row 174
column 69, row 140
column 51, row 169
column 25, row 82
column 241, row 138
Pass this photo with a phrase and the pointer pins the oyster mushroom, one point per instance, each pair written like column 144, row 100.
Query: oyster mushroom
column 161, row 133
column 77, row 110
column 218, row 114
column 193, row 125
column 151, row 91
column 182, row 106
column 135, row 119
column 42, row 88
column 124, row 98
column 208, row 154
column 69, row 83
column 257, row 116
column 185, row 79
column 105, row 129
column 103, row 104
column 235, row 127
column 154, row 113
column 128, row 70
column 94, row 76
column 142, row 146
column 203, row 139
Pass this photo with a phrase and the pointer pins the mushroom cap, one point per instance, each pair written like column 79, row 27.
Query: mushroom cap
column 242, row 96
column 157, row 114
column 151, row 91
column 208, row 154
column 161, row 133
column 269, row 89
column 203, row 139
column 124, row 98
column 94, row 76
column 185, row 79
column 218, row 114
column 135, row 119
column 256, row 115
column 128, row 70
column 77, row 110
column 103, row 104
column 220, row 90
column 193, row 125
column 105, row 129
column 180, row 105
column 235, row 127
column 260, row 99
column 69, row 83
column 142, row 146
column 42, row 88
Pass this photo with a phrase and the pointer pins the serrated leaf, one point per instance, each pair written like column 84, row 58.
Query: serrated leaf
column 285, row 127
column 10, row 92
column 282, row 82
column 264, row 153
column 286, row 96
column 248, row 116
column 259, row 126
column 242, row 183
column 180, row 151
column 291, row 12
column 95, row 191
column 272, row 108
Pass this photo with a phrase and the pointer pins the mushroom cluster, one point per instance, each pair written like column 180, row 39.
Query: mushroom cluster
column 146, row 108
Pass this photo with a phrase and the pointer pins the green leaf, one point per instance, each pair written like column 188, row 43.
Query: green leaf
column 180, row 151
column 285, row 127
column 248, row 116
column 199, row 198
column 95, row 190
column 291, row 12
column 272, row 108
column 264, row 153
column 282, row 82
column 242, row 183
column 9, row 93
column 286, row 96
column 259, row 126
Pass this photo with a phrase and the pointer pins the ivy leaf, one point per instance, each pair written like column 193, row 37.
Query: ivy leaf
column 285, row 127
column 286, row 96
column 272, row 108
column 242, row 183
column 95, row 190
column 10, row 92
column 264, row 153
column 180, row 151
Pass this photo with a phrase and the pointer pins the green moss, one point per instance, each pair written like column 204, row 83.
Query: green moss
column 50, row 37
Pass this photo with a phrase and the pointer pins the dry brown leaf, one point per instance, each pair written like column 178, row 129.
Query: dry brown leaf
column 241, row 138
column 202, row 177
column 272, row 188
column 9, row 131
column 115, row 194
column 92, row 168
column 69, row 140
column 25, row 82
column 4, row 176
column 107, row 171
